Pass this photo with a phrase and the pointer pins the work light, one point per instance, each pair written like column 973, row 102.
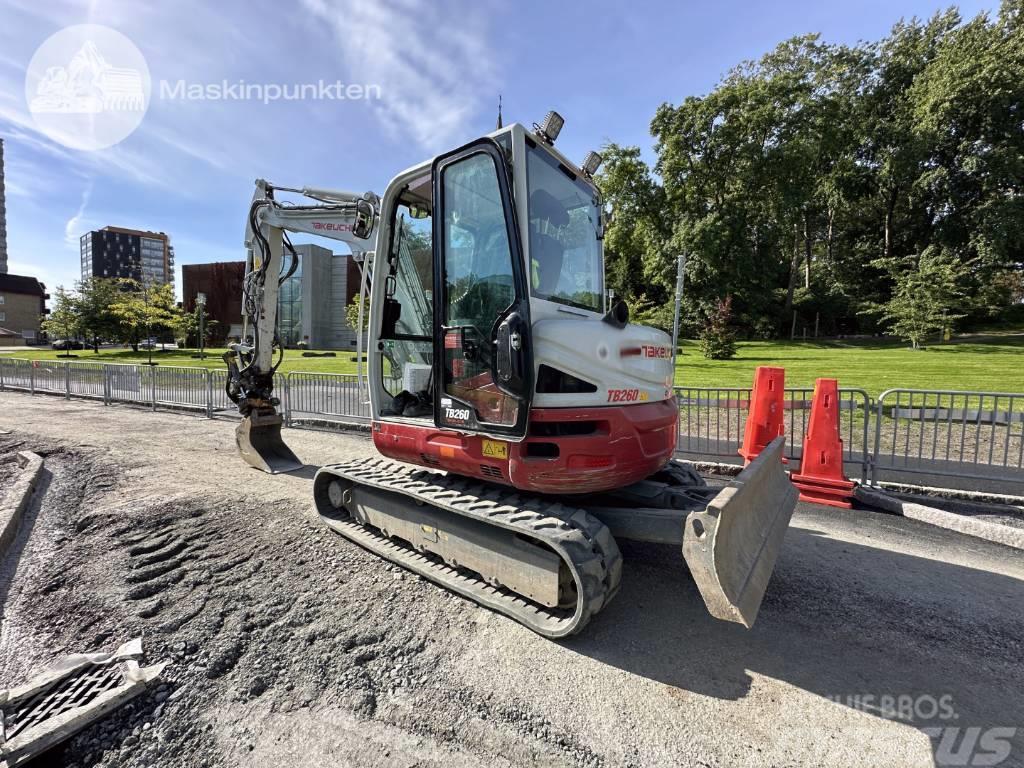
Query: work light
column 591, row 163
column 551, row 126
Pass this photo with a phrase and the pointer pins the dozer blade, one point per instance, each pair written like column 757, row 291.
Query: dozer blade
column 731, row 546
column 259, row 441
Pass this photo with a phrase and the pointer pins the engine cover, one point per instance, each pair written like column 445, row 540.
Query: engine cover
column 625, row 365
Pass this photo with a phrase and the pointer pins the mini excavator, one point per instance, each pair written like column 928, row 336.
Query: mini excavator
column 525, row 424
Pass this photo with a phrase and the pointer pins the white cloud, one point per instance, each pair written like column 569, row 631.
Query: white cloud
column 432, row 62
column 74, row 227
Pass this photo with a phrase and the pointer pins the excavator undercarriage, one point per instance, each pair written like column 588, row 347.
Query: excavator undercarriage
column 552, row 563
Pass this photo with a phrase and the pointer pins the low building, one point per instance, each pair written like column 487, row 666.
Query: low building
column 116, row 252
column 22, row 308
column 221, row 281
column 311, row 305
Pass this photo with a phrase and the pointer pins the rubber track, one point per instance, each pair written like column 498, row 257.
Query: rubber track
column 580, row 539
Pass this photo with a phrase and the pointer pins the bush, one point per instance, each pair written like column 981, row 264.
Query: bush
column 717, row 340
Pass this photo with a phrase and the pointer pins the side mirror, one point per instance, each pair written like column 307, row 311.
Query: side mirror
column 363, row 225
column 618, row 315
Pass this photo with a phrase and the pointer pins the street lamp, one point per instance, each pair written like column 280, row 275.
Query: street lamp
column 149, row 319
column 201, row 307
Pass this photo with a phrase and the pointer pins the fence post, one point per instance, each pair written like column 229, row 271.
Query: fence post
column 286, row 400
column 878, row 438
column 32, row 378
column 152, row 385
column 2, row 361
column 209, row 394
column 867, row 463
column 106, row 384
column 67, row 381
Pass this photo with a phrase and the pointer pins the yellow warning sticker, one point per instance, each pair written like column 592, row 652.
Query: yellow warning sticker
column 495, row 449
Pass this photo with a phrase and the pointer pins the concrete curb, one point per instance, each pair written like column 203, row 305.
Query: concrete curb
column 982, row 497
column 981, row 529
column 17, row 497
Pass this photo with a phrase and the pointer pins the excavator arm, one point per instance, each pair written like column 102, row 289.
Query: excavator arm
column 252, row 362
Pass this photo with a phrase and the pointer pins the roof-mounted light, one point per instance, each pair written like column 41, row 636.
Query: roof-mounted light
column 551, row 127
column 591, row 163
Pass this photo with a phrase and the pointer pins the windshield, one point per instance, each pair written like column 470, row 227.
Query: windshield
column 565, row 252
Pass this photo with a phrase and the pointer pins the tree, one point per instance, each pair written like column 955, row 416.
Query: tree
column 800, row 177
column 185, row 326
column 717, row 340
column 64, row 320
column 352, row 314
column 637, row 232
column 144, row 309
column 924, row 298
column 93, row 302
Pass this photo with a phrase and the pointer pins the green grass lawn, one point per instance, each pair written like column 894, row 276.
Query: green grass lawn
column 989, row 363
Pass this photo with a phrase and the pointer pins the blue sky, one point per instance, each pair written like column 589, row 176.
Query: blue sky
column 188, row 169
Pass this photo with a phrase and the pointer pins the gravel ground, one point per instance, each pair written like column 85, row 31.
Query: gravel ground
column 8, row 470
column 290, row 646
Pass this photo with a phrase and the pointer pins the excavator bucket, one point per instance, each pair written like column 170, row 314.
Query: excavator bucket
column 731, row 546
column 259, row 441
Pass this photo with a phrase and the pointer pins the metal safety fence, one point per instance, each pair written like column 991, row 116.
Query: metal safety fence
column 305, row 397
column 712, row 421
column 969, row 440
column 927, row 436
column 315, row 396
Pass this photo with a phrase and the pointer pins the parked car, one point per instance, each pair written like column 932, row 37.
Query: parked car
column 152, row 343
column 67, row 344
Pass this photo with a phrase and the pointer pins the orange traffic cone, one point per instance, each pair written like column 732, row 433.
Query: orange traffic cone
column 821, row 477
column 764, row 421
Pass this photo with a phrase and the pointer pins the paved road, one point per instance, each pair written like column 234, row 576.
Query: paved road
column 881, row 642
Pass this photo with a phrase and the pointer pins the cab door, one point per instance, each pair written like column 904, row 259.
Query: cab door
column 483, row 363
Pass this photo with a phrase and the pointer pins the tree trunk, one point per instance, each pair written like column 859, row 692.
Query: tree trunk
column 808, row 246
column 828, row 235
column 794, row 266
column 889, row 211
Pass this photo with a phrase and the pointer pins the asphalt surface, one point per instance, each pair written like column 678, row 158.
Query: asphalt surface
column 881, row 641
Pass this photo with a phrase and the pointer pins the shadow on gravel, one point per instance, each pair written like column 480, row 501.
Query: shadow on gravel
column 872, row 629
column 12, row 558
column 307, row 472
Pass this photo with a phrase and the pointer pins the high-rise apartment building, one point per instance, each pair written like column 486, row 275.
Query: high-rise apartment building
column 115, row 252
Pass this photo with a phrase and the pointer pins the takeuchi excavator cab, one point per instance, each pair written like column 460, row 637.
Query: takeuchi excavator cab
column 491, row 349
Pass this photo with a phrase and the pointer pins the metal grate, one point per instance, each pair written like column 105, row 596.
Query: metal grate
column 62, row 695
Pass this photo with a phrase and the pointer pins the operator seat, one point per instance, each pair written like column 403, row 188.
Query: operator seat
column 546, row 251
column 547, row 255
